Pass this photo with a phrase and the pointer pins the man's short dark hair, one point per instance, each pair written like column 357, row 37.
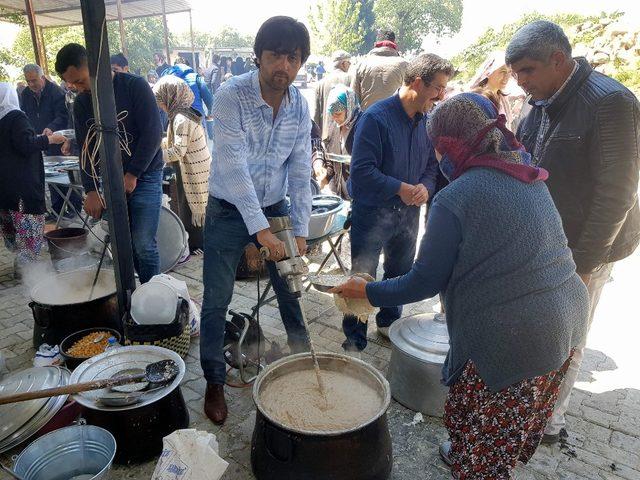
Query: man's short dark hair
column 426, row 66
column 282, row 34
column 160, row 56
column 215, row 58
column 388, row 35
column 71, row 55
column 538, row 41
column 120, row 60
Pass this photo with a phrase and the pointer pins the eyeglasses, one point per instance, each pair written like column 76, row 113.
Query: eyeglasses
column 439, row 88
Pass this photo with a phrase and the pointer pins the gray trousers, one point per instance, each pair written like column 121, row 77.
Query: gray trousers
column 557, row 421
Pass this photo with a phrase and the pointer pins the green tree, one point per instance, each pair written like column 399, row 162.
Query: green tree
column 367, row 20
column 228, row 37
column 54, row 39
column 412, row 20
column 7, row 57
column 468, row 61
column 143, row 37
column 336, row 24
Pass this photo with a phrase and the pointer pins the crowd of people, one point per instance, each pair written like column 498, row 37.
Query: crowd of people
column 528, row 209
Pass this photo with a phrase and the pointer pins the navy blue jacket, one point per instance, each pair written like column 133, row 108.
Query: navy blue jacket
column 47, row 111
column 390, row 148
column 141, row 125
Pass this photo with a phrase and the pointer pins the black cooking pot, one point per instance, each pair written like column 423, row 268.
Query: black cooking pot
column 139, row 427
column 361, row 453
column 55, row 319
column 139, row 431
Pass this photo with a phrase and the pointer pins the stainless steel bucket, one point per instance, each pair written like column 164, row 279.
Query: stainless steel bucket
column 80, row 451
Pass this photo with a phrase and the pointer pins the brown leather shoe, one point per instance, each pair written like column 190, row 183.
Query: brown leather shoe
column 215, row 406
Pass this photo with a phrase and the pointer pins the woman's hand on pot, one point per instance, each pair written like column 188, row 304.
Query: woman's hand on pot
column 355, row 287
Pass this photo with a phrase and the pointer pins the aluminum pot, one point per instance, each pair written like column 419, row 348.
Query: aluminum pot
column 279, row 452
column 419, row 347
column 68, row 453
column 54, row 318
column 324, row 210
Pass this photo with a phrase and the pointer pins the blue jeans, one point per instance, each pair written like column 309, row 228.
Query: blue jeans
column 392, row 230
column 144, row 216
column 225, row 238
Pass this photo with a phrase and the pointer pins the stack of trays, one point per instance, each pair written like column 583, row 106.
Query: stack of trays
column 22, row 420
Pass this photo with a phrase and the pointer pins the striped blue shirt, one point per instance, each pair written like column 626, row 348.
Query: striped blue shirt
column 257, row 160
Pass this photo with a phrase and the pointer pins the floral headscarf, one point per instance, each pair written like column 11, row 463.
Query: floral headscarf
column 494, row 61
column 466, row 131
column 177, row 96
column 343, row 99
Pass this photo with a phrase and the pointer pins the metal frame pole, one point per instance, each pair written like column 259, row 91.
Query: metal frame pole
column 165, row 31
column 193, row 47
column 104, row 110
column 33, row 28
column 43, row 51
column 123, row 42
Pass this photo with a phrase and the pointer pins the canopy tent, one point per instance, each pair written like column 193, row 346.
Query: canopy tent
column 92, row 15
column 61, row 13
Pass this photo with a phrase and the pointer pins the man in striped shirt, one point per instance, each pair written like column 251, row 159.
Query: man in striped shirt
column 261, row 153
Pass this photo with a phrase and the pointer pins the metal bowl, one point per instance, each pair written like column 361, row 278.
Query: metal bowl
column 69, row 134
column 73, row 361
column 80, row 451
column 115, row 361
column 325, row 208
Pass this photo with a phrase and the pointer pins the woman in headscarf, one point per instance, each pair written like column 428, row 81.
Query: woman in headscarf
column 186, row 147
column 22, row 201
column 495, row 249
column 344, row 109
column 491, row 80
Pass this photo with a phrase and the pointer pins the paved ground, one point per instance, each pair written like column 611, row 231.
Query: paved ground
column 604, row 418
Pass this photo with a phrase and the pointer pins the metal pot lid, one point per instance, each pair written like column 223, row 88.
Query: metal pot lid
column 15, row 415
column 118, row 360
column 424, row 337
column 43, row 416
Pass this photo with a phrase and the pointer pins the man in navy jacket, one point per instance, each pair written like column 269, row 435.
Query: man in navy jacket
column 140, row 129
column 393, row 173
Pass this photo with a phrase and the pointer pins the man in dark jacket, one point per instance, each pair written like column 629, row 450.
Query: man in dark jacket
column 213, row 74
column 393, row 173
column 44, row 104
column 142, row 159
column 584, row 128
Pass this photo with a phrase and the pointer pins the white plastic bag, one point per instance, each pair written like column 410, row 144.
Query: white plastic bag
column 190, row 455
column 180, row 286
column 194, row 318
column 47, row 355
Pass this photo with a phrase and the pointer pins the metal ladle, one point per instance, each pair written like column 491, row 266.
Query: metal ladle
column 160, row 373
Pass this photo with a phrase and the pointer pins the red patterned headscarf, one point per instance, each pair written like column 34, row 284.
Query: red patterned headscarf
column 466, row 130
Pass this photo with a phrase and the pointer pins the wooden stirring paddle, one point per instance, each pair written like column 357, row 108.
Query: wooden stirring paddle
column 161, row 372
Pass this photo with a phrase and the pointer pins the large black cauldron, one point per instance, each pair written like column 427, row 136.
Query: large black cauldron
column 361, row 453
column 54, row 318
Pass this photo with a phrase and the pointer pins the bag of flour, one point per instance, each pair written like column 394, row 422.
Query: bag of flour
column 189, row 454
